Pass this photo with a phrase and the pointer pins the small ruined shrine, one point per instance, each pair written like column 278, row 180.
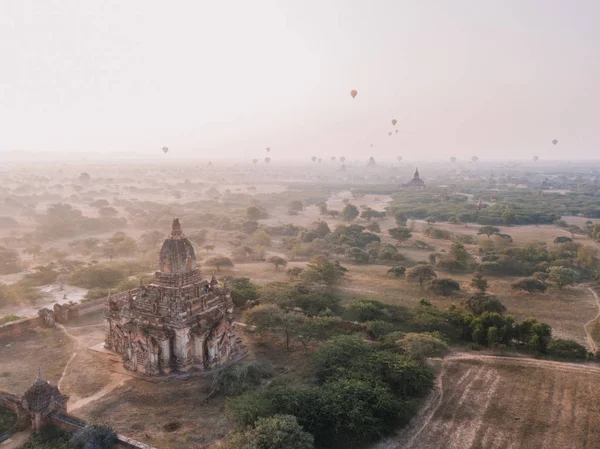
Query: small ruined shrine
column 416, row 183
column 178, row 322
column 41, row 400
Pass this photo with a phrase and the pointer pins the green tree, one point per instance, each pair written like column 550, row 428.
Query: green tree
column 488, row 230
column 253, row 213
column 479, row 282
column 219, row 261
column 400, row 218
column 562, row 276
column 430, row 220
column 322, row 208
column 34, row 250
column 400, row 234
column 421, row 346
column 275, row 432
column 320, row 269
column 421, row 273
column 480, row 303
column 349, row 212
column 208, row 248
column 509, row 217
column 120, row 244
column 277, row 261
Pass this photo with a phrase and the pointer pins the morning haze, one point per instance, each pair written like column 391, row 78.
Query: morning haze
column 463, row 77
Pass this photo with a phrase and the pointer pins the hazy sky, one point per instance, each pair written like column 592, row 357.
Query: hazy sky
column 228, row 78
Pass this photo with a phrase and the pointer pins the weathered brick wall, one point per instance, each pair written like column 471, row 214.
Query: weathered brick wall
column 16, row 328
column 13, row 403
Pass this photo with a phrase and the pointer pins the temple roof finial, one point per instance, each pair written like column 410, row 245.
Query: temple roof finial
column 39, row 379
column 176, row 227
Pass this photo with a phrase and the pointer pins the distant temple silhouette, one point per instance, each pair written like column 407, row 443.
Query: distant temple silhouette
column 416, row 183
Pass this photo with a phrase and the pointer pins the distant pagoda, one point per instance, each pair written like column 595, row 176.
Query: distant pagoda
column 416, row 183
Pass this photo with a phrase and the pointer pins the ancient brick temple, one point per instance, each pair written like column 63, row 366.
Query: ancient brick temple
column 178, row 322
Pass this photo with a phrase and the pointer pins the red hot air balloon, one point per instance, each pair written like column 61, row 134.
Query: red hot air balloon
column 354, row 93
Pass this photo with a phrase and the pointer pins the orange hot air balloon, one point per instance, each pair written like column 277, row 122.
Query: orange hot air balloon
column 354, row 93
column 394, row 122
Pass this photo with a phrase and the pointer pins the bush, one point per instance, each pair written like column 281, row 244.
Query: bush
column 397, row 271
column 237, row 379
column 95, row 436
column 566, row 349
column 444, row 287
column 98, row 276
column 480, row 303
column 242, row 291
column 276, row 432
column 421, row 346
column 529, row 285
column 378, row 329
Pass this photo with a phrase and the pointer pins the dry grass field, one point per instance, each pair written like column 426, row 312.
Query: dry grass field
column 47, row 349
column 487, row 402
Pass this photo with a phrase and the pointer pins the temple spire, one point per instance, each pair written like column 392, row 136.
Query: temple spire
column 176, row 227
column 39, row 379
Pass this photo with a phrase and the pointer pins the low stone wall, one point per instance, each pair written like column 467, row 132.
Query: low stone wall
column 62, row 315
column 71, row 424
column 13, row 403
column 16, row 328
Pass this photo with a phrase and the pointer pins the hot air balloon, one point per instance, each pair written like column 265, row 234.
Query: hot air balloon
column 255, row 161
column 371, row 145
column 342, row 159
column 319, row 160
column 474, row 158
column 267, row 160
column 268, row 150
column 165, row 150
column 314, row 158
column 554, row 142
column 394, row 122
column 452, row 159
column 396, row 131
column 354, row 93
column 399, row 158
column 535, row 158
column 332, row 158
column 390, row 133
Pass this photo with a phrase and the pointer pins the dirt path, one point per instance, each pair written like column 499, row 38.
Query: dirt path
column 590, row 340
column 81, row 344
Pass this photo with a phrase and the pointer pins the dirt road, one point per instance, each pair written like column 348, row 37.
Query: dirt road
column 593, row 346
